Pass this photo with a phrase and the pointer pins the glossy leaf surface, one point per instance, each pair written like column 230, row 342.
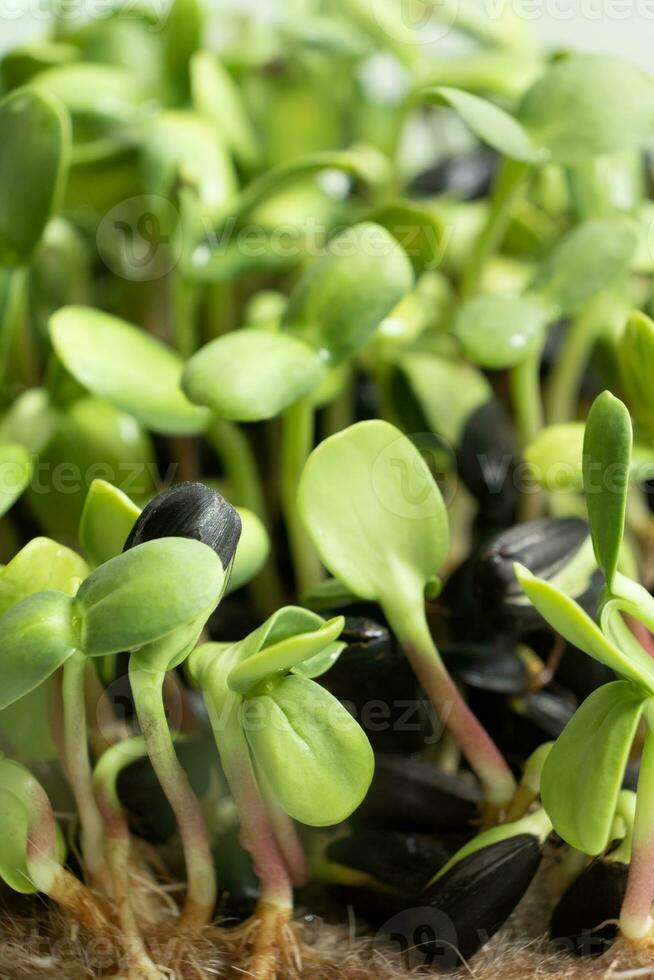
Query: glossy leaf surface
column 313, row 754
column 146, row 594
column 34, row 156
column 106, row 521
column 339, row 303
column 37, row 636
column 606, row 459
column 374, row 512
column 583, row 773
column 127, row 367
column 250, row 375
column 499, row 332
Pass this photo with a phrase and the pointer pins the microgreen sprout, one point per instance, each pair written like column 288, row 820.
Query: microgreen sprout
column 583, row 774
column 193, row 514
column 378, row 521
column 286, row 745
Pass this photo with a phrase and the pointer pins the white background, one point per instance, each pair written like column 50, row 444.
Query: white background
column 622, row 26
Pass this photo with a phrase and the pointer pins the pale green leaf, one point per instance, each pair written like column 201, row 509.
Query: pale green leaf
column 34, row 157
column 184, row 145
column 339, row 303
column 41, row 566
column 287, row 651
column 15, row 473
column 146, row 594
column 590, row 258
column 606, row 461
column 569, row 619
column 106, row 521
column 374, row 512
column 583, row 774
column 107, row 93
column 251, row 552
column 218, row 98
column 36, row 638
column 490, row 123
column 498, row 332
column 448, row 390
column 313, row 755
column 130, row 369
column 589, row 106
column 250, row 374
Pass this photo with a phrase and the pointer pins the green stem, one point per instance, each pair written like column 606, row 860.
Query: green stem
column 411, row 629
column 13, row 304
column 297, row 443
column 78, row 770
column 636, row 921
column 184, row 301
column 147, row 689
column 231, row 445
column 524, row 380
column 562, row 390
column 508, row 185
column 339, row 413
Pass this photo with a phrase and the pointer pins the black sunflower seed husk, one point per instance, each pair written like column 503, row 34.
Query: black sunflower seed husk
column 579, row 673
column 544, row 546
column 467, row 176
column 478, row 894
column 148, row 811
column 411, row 795
column 373, row 678
column 494, row 667
column 486, row 463
column 402, row 861
column 238, row 885
column 519, row 725
column 580, row 922
column 190, row 510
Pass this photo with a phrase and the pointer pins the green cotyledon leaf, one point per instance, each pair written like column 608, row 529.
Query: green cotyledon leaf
column 249, row 375
column 15, row 473
column 17, row 810
column 37, row 636
column 34, row 158
column 288, row 652
column 576, row 626
column 583, row 774
column 499, row 332
column 587, row 260
column 374, row 512
column 490, row 123
column 42, row 565
column 107, row 518
column 314, row 756
column 146, row 594
column 606, row 461
column 345, row 295
column 128, row 368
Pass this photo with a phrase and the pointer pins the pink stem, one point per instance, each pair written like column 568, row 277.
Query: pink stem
column 474, row 741
column 642, row 634
column 257, row 833
column 635, row 916
column 289, row 843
